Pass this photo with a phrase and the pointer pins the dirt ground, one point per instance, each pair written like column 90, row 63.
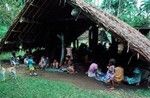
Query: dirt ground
column 80, row 79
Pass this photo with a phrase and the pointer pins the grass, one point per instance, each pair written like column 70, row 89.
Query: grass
column 8, row 55
column 36, row 87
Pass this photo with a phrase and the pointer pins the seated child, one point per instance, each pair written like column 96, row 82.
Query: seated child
column 110, row 73
column 55, row 64
column 68, row 61
column 26, row 61
column 47, row 62
column 42, row 63
column 70, row 68
column 136, row 79
column 14, row 60
column 31, row 67
column 64, row 66
column 92, row 70
column 119, row 75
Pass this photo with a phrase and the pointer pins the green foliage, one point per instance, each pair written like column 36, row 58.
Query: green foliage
column 127, row 10
column 3, row 29
column 7, row 55
column 146, row 6
column 36, row 87
column 9, row 9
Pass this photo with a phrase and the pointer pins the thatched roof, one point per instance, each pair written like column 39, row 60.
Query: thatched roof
column 40, row 21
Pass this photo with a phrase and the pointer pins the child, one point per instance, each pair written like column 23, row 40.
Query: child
column 26, row 61
column 14, row 60
column 47, row 62
column 119, row 74
column 42, row 63
column 55, row 64
column 31, row 67
column 110, row 72
column 70, row 68
column 92, row 70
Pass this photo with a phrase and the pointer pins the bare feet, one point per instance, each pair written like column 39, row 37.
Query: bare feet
column 112, row 88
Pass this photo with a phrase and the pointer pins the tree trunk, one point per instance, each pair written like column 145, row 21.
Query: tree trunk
column 62, row 48
column 138, row 42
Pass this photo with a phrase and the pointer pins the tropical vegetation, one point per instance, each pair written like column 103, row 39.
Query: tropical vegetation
column 134, row 12
column 8, row 11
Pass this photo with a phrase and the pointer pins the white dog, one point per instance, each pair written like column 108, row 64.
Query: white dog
column 11, row 72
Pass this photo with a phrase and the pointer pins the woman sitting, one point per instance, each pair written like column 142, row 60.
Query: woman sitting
column 92, row 70
column 136, row 79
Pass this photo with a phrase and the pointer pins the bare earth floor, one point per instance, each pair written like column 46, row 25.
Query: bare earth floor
column 84, row 86
column 80, row 80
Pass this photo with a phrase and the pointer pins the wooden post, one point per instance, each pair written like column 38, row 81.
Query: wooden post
column 74, row 44
column 90, row 38
column 95, row 36
column 61, row 37
column 77, row 43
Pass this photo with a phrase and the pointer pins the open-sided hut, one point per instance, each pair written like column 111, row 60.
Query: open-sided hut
column 41, row 23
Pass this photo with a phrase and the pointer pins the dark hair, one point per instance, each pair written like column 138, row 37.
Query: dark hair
column 68, row 56
column 30, row 57
column 112, row 61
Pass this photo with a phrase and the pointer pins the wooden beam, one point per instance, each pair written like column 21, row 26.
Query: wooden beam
column 39, row 8
column 52, row 4
column 95, row 36
column 16, row 31
column 27, row 20
column 34, row 5
column 90, row 38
